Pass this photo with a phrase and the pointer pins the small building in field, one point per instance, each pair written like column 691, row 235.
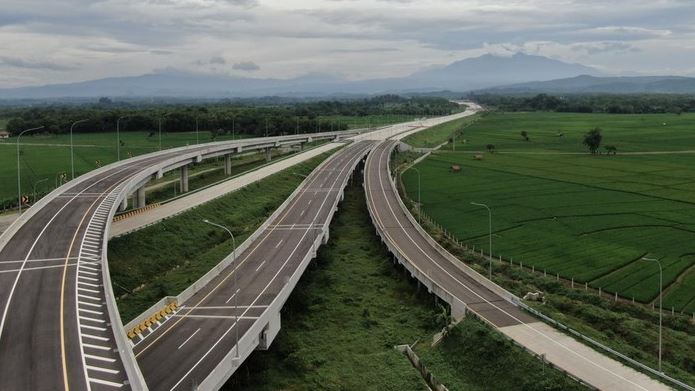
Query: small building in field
column 4, row 134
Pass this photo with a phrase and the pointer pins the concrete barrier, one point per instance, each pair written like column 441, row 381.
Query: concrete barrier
column 265, row 328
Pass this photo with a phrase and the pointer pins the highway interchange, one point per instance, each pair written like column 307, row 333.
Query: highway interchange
column 53, row 300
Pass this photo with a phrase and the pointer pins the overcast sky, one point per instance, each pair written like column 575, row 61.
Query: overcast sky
column 54, row 41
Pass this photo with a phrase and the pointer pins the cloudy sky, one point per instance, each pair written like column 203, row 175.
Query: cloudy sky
column 53, row 41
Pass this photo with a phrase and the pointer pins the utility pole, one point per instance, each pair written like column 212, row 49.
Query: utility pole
column 490, row 237
column 19, row 175
column 72, row 154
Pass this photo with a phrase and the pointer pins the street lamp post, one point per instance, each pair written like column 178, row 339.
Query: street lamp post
column 661, row 287
column 34, row 187
column 236, row 296
column 197, row 139
column 72, row 153
column 118, row 137
column 19, row 176
column 489, row 213
column 419, row 204
column 160, row 133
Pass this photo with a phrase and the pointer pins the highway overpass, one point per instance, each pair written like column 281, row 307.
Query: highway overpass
column 59, row 325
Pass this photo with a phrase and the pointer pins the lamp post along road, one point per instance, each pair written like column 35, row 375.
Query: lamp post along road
column 661, row 287
column 419, row 203
column 118, row 137
column 236, row 292
column 34, row 188
column 489, row 213
column 72, row 152
column 197, row 140
column 19, row 173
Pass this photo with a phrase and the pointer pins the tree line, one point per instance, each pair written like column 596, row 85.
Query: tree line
column 222, row 116
column 613, row 104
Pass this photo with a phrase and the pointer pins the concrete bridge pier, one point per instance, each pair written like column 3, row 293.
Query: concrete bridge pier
column 268, row 154
column 228, row 164
column 184, row 179
column 140, row 199
column 124, row 205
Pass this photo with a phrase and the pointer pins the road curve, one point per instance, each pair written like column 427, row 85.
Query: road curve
column 57, row 314
column 182, row 352
column 466, row 290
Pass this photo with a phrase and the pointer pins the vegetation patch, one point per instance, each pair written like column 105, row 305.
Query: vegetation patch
column 562, row 210
column 351, row 307
column 437, row 135
column 474, row 357
column 630, row 328
column 165, row 258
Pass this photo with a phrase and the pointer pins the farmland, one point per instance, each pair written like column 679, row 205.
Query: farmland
column 559, row 209
column 45, row 156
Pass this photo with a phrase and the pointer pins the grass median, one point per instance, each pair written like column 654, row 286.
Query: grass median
column 351, row 307
column 165, row 258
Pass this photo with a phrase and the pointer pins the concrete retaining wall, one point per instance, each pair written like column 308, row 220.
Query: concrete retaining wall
column 261, row 333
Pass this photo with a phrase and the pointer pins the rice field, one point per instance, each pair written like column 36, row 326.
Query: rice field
column 559, row 209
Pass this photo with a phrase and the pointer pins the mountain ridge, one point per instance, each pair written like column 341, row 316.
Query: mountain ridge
column 463, row 75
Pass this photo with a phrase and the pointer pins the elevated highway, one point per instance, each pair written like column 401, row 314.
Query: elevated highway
column 59, row 325
column 466, row 291
column 236, row 309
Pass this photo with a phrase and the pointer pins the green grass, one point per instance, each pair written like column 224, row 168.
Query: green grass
column 366, row 121
column 351, row 307
column 206, row 174
column 473, row 357
column 440, row 134
column 585, row 217
column 631, row 329
column 50, row 155
column 165, row 258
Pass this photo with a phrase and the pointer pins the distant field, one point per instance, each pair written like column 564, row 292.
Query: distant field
column 367, row 120
column 46, row 156
column 441, row 133
column 585, row 217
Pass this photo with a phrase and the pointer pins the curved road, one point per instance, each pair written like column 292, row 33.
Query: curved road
column 181, row 354
column 55, row 329
column 467, row 290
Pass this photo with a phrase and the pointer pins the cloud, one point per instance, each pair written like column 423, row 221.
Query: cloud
column 355, row 38
column 246, row 66
column 604, row 47
column 217, row 60
column 38, row 65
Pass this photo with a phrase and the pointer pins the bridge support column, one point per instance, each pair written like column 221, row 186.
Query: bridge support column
column 268, row 154
column 124, row 205
column 301, row 146
column 227, row 164
column 141, row 197
column 270, row 331
column 184, row 179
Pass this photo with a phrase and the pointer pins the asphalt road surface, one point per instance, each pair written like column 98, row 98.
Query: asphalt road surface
column 183, row 351
column 416, row 248
column 579, row 360
column 55, row 331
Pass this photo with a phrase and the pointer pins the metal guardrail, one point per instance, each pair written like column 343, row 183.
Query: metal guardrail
column 605, row 348
column 517, row 301
column 136, row 381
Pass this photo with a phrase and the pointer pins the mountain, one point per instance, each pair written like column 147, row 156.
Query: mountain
column 585, row 84
column 465, row 75
column 490, row 70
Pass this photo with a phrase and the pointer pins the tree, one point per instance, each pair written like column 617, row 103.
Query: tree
column 593, row 140
column 524, row 134
column 611, row 149
column 491, row 148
